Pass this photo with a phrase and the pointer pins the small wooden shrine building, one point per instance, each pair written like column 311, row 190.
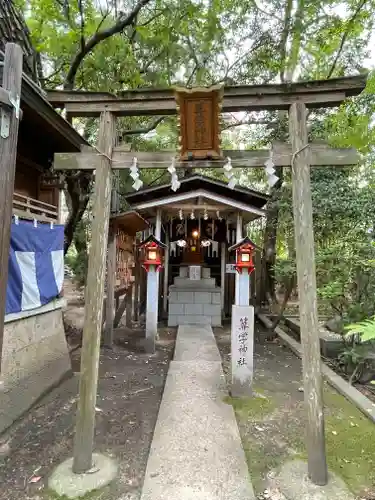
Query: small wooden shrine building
column 198, row 225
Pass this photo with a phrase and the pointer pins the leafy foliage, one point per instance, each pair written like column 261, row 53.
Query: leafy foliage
column 366, row 329
column 118, row 45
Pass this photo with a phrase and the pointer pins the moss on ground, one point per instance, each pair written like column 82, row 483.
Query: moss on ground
column 350, row 437
column 350, row 440
column 256, row 407
column 91, row 495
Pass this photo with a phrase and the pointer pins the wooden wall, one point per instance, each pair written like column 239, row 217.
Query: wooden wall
column 28, row 183
column 125, row 262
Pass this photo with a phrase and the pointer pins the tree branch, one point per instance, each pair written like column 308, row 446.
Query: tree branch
column 145, row 130
column 53, row 74
column 104, row 17
column 284, row 38
column 249, row 122
column 99, row 36
column 82, row 22
column 256, row 45
column 345, row 36
column 150, row 62
column 269, row 14
column 152, row 18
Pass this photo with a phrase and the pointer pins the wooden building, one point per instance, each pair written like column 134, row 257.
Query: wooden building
column 199, row 223
column 34, row 353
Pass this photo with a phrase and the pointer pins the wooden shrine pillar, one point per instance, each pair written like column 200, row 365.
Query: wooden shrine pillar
column 305, row 259
column 10, row 93
column 85, row 423
column 129, row 306
column 152, row 305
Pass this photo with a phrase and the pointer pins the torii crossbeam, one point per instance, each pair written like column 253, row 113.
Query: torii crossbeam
column 320, row 154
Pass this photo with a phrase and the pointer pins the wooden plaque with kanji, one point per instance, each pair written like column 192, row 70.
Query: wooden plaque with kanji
column 198, row 112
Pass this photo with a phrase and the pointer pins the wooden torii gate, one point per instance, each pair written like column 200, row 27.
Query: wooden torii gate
column 299, row 155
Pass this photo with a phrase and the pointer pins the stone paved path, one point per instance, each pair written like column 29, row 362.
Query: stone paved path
column 196, row 452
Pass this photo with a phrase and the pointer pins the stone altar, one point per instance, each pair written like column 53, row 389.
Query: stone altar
column 194, row 301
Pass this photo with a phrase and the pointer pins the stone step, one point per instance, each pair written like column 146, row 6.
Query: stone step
column 195, row 296
column 186, row 282
column 195, row 309
column 186, row 319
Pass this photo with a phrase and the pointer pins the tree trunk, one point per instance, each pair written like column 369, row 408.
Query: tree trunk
column 79, row 190
column 267, row 291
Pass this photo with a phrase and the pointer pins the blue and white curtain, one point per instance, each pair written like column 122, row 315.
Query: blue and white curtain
column 36, row 265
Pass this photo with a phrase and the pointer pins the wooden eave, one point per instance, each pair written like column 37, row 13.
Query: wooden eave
column 38, row 111
column 244, row 241
column 199, row 182
column 152, row 239
column 199, row 194
column 130, row 222
column 315, row 94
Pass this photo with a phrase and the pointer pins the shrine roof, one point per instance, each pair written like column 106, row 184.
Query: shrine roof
column 130, row 222
column 41, row 119
column 199, row 193
column 197, row 182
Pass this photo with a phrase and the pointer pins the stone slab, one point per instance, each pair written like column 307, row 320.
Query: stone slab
column 196, row 344
column 196, row 452
column 292, row 481
column 35, row 358
column 65, row 483
column 173, row 297
column 188, row 283
column 194, row 320
column 216, row 320
column 16, row 399
column 51, row 306
column 196, row 286
column 212, row 309
column 194, row 309
column 175, row 309
column 203, row 297
column 331, row 344
column 185, row 297
column 216, row 298
column 172, row 320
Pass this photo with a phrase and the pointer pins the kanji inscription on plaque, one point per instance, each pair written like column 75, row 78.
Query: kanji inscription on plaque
column 242, row 346
column 198, row 112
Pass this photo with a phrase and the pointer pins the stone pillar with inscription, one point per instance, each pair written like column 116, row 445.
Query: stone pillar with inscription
column 242, row 344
